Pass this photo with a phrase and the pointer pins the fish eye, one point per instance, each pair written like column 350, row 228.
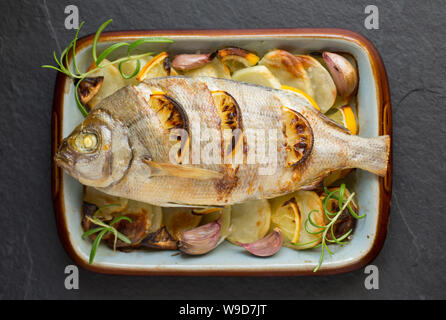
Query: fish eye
column 85, row 142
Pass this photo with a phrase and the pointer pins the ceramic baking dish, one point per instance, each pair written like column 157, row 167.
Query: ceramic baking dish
column 374, row 193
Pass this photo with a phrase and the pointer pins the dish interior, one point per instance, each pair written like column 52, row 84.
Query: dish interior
column 228, row 256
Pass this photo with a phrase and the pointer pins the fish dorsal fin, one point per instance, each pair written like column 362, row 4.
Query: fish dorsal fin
column 181, row 171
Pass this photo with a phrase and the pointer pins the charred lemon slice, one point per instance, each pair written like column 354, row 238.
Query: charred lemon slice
column 159, row 66
column 298, row 136
column 287, row 219
column 313, row 103
column 172, row 116
column 236, row 58
column 345, row 117
column 231, row 119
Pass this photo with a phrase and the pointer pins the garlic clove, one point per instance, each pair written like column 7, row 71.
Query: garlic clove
column 343, row 73
column 267, row 246
column 186, row 62
column 202, row 239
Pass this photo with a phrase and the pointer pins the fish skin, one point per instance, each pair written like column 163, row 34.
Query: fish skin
column 137, row 136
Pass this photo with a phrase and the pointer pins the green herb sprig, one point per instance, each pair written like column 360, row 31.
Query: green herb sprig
column 63, row 63
column 103, row 229
column 332, row 217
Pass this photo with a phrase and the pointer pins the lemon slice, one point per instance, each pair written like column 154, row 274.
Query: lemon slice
column 298, row 136
column 307, row 201
column 159, row 66
column 230, row 120
column 313, row 103
column 287, row 219
column 236, row 58
column 259, row 75
column 345, row 117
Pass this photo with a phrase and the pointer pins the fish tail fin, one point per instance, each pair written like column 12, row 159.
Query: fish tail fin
column 371, row 154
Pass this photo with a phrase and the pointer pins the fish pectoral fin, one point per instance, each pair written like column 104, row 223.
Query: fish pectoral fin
column 181, row 171
column 201, row 209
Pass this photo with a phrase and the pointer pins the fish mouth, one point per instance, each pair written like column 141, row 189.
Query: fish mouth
column 63, row 160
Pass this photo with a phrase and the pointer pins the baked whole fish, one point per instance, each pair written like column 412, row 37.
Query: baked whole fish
column 210, row 142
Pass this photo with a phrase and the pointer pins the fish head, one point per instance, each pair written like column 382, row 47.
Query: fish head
column 97, row 152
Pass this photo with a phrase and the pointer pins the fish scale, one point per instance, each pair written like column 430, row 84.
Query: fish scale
column 137, row 166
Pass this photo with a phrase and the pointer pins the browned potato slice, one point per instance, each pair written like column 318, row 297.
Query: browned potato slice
column 306, row 202
column 160, row 239
column 288, row 69
column 250, row 221
column 324, row 88
column 298, row 135
column 178, row 220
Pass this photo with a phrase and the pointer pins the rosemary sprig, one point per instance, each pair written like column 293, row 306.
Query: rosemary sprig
column 63, row 64
column 103, row 229
column 332, row 217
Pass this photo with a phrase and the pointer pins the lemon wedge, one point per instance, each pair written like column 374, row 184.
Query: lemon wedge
column 345, row 117
column 287, row 219
column 159, row 66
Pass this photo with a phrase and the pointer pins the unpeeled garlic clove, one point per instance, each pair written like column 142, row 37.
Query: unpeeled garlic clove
column 343, row 73
column 202, row 239
column 186, row 62
column 266, row 246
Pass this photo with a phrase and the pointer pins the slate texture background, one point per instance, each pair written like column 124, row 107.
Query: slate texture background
column 411, row 40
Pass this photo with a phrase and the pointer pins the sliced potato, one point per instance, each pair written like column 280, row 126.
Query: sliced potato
column 100, row 200
column 215, row 69
column 250, row 221
column 113, row 81
column 288, row 70
column 324, row 88
column 225, row 214
column 259, row 75
column 306, row 202
column 178, row 220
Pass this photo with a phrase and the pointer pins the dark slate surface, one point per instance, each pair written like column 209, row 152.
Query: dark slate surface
column 411, row 40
